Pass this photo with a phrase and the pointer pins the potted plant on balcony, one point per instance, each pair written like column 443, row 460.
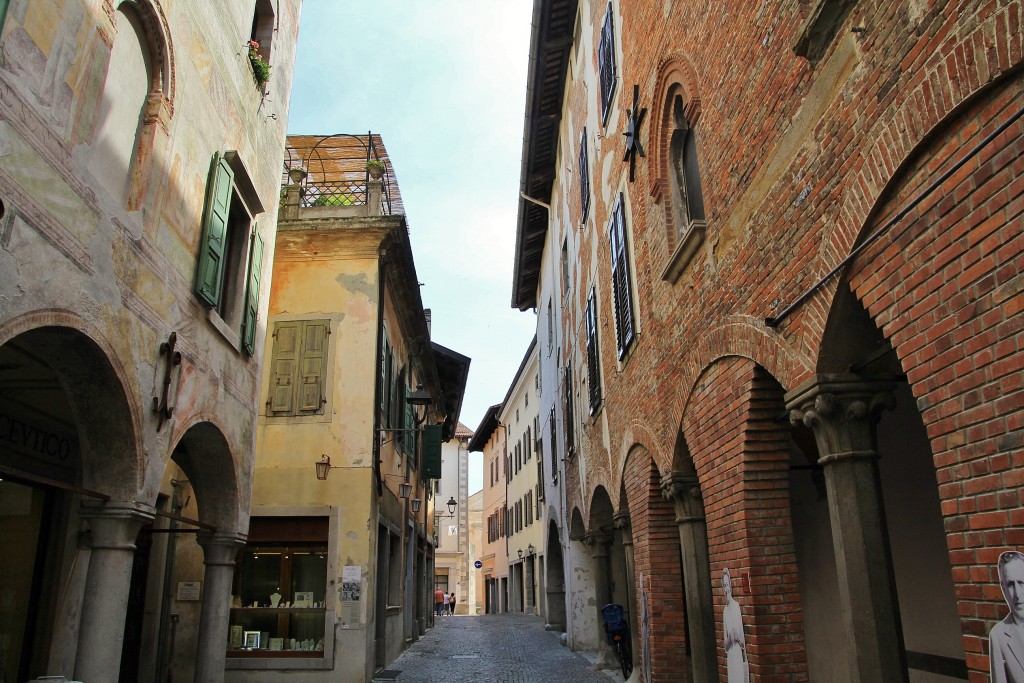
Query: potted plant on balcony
column 260, row 69
column 375, row 168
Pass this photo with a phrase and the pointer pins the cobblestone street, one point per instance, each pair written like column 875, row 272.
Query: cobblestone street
column 493, row 648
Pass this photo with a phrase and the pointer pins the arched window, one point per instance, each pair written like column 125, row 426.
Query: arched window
column 136, row 103
column 676, row 181
column 684, row 176
column 119, row 114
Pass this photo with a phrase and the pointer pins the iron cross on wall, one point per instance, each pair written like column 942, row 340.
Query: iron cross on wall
column 635, row 118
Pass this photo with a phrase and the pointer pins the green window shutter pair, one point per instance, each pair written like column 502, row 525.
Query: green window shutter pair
column 431, row 452
column 209, row 285
column 298, row 365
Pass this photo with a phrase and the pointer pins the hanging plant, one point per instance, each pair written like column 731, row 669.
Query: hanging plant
column 260, row 69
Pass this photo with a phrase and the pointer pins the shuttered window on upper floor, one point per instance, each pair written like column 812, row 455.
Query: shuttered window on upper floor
column 593, row 357
column 622, row 286
column 298, row 368
column 606, row 63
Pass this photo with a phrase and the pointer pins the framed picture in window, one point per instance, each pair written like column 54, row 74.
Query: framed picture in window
column 303, row 599
column 251, row 640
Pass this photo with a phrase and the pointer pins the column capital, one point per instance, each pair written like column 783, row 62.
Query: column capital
column 220, row 547
column 843, row 411
column 598, row 541
column 114, row 525
column 621, row 519
column 683, row 489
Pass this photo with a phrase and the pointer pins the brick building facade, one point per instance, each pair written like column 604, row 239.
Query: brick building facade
column 787, row 336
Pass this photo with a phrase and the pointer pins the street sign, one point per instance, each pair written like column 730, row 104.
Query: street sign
column 478, row 564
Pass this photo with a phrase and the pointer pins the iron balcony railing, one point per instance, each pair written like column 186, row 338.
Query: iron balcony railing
column 336, row 170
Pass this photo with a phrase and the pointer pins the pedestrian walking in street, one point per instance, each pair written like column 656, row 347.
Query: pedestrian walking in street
column 444, row 603
column 451, row 604
column 439, row 597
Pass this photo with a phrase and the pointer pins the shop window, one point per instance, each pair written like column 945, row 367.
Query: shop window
column 230, row 261
column 593, row 357
column 280, row 590
column 298, row 368
column 622, row 286
column 606, row 63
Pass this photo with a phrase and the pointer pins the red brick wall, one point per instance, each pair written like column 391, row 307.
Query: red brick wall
column 944, row 287
column 656, row 557
column 741, row 451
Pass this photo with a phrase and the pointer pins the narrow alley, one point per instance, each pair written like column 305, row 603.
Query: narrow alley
column 496, row 648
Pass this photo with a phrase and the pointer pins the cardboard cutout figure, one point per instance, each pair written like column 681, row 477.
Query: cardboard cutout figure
column 736, row 664
column 1006, row 639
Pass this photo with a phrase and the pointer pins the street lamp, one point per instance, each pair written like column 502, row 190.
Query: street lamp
column 419, row 400
column 452, row 504
column 520, row 553
column 530, row 549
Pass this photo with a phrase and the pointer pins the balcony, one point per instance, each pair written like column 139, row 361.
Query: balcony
column 338, row 175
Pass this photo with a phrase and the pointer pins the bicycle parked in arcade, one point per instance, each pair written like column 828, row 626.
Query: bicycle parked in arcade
column 616, row 629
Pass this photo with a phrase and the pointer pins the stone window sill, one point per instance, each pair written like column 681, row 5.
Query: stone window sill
column 685, row 251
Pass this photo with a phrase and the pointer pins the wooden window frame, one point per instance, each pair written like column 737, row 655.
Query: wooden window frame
column 606, row 64
column 593, row 353
column 622, row 281
column 295, row 378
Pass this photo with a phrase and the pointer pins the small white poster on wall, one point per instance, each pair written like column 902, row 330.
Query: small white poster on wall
column 189, row 591
column 351, row 593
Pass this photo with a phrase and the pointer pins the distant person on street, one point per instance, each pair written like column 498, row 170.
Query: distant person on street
column 1006, row 639
column 439, row 598
column 444, row 603
column 451, row 604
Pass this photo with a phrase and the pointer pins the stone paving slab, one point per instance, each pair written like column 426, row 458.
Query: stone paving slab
column 493, row 648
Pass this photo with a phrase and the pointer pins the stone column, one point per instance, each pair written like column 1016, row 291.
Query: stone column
column 843, row 411
column 219, row 551
column 374, row 197
column 113, row 527
column 621, row 521
column 684, row 492
column 600, row 543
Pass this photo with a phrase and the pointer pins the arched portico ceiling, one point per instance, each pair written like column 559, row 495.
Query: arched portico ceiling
column 85, row 378
column 577, row 529
column 601, row 511
column 204, row 455
column 852, row 342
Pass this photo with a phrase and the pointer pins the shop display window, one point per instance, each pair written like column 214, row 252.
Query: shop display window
column 280, row 590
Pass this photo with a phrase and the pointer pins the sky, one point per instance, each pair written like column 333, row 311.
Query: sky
column 444, row 83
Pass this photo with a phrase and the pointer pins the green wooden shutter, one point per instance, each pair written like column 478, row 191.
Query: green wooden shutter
column 252, row 293
column 284, row 366
column 408, row 437
column 312, row 363
column 210, row 271
column 431, row 452
column 3, row 13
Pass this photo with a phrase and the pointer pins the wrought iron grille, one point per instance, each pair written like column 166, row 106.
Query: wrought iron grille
column 337, row 170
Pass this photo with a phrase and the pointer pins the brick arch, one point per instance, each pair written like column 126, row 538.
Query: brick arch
column 922, row 114
column 740, row 449
column 785, row 358
column 941, row 287
column 675, row 75
column 657, row 565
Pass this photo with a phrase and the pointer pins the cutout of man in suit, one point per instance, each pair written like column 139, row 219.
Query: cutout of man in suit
column 1006, row 639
